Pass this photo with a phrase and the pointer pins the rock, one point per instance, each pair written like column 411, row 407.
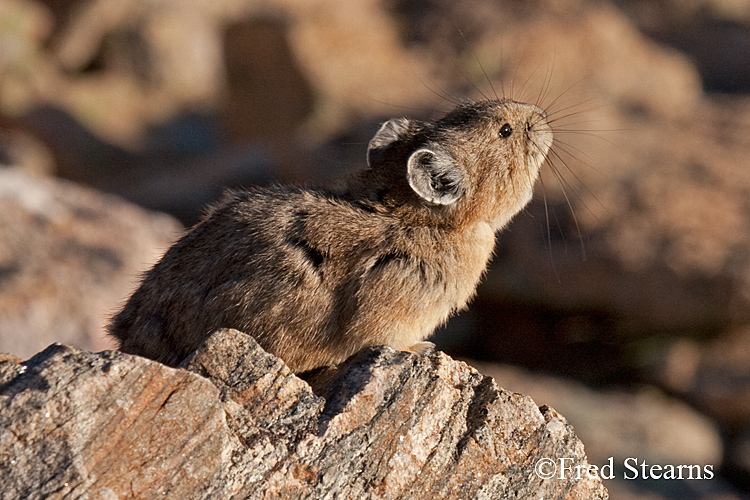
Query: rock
column 237, row 424
column 23, row 151
column 715, row 33
column 738, row 457
column 715, row 377
column 619, row 423
column 25, row 62
column 77, row 424
column 68, row 257
column 642, row 424
column 121, row 67
column 180, row 172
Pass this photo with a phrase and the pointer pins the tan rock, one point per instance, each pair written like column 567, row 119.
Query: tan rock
column 68, row 256
column 392, row 425
column 643, row 423
column 714, row 376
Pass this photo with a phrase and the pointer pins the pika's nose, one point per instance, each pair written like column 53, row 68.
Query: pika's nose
column 537, row 118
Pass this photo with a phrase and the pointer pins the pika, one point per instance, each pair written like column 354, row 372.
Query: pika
column 317, row 274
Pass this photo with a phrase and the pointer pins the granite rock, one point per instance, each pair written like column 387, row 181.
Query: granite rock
column 238, row 424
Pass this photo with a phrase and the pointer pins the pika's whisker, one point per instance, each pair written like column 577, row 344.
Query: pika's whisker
column 563, row 183
column 555, row 154
column 570, row 110
column 442, row 93
column 547, row 83
column 549, row 230
column 481, row 66
column 551, row 106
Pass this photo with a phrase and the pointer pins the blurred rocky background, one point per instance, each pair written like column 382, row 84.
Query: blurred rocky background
column 620, row 297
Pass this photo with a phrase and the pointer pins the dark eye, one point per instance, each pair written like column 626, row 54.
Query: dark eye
column 506, row 130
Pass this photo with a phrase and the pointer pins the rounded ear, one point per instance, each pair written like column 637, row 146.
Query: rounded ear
column 435, row 176
column 390, row 132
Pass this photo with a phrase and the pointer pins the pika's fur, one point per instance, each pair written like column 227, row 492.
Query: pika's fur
column 315, row 275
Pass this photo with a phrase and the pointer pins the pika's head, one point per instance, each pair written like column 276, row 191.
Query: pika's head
column 480, row 160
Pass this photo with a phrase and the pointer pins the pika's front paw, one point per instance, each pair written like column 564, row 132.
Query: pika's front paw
column 421, row 348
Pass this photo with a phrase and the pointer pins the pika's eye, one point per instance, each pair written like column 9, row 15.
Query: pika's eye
column 506, row 130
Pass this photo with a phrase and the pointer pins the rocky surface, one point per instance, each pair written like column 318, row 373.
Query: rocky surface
column 68, row 256
column 644, row 423
column 625, row 424
column 715, row 377
column 237, row 424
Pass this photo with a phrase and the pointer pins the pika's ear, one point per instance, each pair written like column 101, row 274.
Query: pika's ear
column 435, row 176
column 390, row 132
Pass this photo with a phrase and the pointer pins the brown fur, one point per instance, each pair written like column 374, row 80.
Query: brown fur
column 316, row 275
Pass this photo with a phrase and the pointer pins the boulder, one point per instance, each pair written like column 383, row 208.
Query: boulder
column 68, row 256
column 714, row 377
column 234, row 422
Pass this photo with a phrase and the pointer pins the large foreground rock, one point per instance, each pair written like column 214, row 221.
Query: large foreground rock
column 238, row 424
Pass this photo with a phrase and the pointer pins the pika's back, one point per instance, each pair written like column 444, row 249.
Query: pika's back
column 316, row 275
